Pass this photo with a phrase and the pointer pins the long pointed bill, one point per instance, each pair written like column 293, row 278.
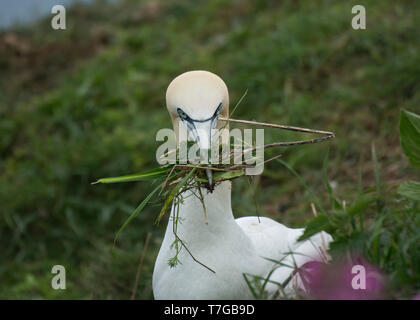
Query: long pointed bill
column 203, row 136
column 201, row 132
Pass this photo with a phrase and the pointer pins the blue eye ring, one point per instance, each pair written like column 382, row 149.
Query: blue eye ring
column 182, row 114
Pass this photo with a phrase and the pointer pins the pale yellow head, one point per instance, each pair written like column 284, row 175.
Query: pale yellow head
column 197, row 99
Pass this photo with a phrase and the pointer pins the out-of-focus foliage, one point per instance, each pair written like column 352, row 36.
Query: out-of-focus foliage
column 410, row 142
column 410, row 136
column 87, row 102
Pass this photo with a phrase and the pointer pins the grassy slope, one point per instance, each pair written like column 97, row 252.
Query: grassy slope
column 85, row 103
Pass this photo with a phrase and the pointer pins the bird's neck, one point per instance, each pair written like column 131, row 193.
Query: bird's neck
column 206, row 208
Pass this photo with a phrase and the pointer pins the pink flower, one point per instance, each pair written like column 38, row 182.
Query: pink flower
column 341, row 280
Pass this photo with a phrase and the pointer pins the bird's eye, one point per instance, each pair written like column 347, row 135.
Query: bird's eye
column 219, row 108
column 182, row 114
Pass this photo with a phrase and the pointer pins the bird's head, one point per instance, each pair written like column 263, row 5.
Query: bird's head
column 196, row 100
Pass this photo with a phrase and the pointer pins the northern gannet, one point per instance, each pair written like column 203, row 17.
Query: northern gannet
column 230, row 247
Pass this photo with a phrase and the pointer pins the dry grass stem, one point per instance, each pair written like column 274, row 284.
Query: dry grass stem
column 143, row 254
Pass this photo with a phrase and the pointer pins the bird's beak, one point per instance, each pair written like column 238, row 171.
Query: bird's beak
column 202, row 133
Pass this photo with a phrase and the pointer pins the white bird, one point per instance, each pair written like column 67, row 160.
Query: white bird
column 229, row 247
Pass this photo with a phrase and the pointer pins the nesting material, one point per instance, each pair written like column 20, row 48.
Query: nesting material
column 172, row 180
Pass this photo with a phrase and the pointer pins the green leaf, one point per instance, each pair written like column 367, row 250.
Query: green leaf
column 137, row 211
column 146, row 175
column 362, row 202
column 345, row 243
column 317, row 224
column 410, row 190
column 219, row 176
column 410, row 136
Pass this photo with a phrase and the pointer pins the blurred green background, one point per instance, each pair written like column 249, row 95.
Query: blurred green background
column 86, row 103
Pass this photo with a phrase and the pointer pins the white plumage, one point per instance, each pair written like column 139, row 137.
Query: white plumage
column 229, row 247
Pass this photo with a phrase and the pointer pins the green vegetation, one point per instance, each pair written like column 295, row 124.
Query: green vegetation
column 83, row 104
column 386, row 232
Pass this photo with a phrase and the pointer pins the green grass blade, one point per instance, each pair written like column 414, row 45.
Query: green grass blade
column 137, row 211
column 173, row 193
column 238, row 103
column 250, row 286
column 219, row 176
column 379, row 202
column 146, row 175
